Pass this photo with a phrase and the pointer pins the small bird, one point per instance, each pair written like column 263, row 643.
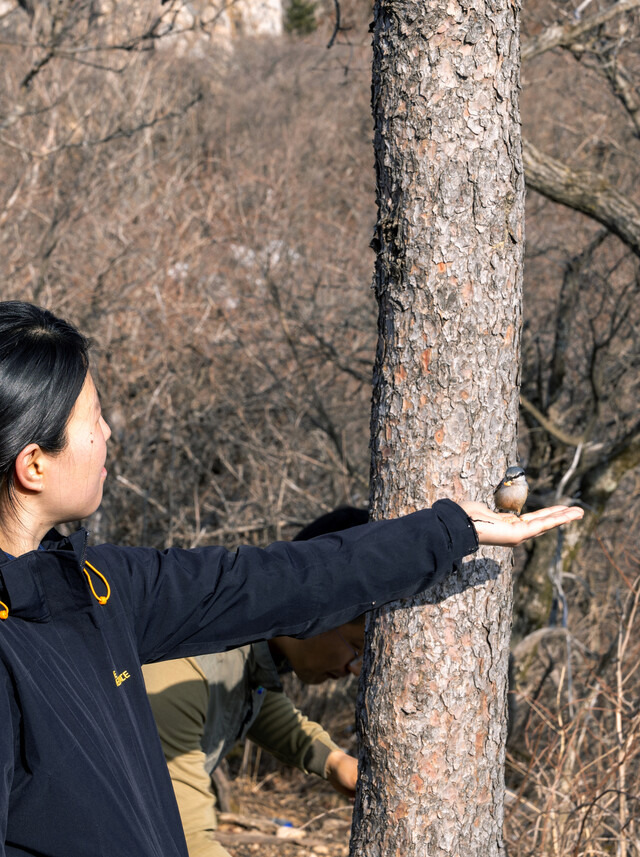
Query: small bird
column 511, row 493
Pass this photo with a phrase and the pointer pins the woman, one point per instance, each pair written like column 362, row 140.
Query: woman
column 82, row 771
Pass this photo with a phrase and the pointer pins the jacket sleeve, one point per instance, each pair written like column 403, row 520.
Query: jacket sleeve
column 7, row 747
column 290, row 736
column 189, row 602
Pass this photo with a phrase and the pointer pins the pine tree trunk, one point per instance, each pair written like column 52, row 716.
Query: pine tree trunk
column 449, row 242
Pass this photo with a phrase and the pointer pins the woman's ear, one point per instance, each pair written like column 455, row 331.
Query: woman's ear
column 29, row 469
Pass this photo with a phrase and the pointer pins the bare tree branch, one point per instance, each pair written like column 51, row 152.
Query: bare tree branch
column 584, row 191
column 624, row 90
column 266, row 839
column 554, row 430
column 562, row 36
column 115, row 134
column 599, row 483
column 336, row 28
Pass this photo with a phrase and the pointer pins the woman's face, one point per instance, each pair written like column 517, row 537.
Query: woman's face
column 75, row 477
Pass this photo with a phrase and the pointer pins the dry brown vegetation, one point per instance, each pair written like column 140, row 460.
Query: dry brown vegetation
column 215, row 248
column 206, row 219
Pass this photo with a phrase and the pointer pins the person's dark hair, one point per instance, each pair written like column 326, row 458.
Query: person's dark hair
column 43, row 365
column 341, row 518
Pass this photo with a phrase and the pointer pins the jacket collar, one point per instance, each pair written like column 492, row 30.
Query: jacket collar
column 77, row 542
column 21, row 583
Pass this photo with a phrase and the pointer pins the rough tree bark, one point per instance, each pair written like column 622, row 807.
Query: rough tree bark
column 449, row 244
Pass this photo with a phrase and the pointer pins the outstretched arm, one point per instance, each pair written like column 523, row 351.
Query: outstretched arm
column 504, row 530
column 295, row 740
column 286, row 733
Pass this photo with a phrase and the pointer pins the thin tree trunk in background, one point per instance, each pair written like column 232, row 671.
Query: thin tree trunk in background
column 449, row 242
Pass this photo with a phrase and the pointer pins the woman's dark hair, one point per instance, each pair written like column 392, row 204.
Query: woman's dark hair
column 43, row 366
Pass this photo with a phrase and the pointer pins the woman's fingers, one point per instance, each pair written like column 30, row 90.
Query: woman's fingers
column 506, row 530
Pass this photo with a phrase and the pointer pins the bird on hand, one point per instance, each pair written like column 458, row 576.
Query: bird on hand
column 511, row 493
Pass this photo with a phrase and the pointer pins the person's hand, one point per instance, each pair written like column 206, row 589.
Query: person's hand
column 342, row 772
column 506, row 530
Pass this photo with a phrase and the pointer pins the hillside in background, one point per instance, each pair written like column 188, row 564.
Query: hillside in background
column 202, row 206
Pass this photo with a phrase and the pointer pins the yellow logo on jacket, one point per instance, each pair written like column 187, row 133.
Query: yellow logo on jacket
column 124, row 675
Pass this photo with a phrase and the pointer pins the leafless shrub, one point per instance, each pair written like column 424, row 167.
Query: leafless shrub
column 225, row 284
column 574, row 755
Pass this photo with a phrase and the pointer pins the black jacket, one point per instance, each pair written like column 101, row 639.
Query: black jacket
column 81, row 769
